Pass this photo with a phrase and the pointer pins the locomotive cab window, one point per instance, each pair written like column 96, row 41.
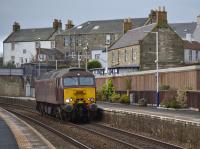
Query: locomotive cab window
column 70, row 81
column 86, row 81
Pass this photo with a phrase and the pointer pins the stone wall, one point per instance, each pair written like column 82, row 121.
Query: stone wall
column 186, row 134
column 171, row 51
column 12, row 86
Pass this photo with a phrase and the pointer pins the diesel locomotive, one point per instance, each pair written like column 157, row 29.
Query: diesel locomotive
column 68, row 94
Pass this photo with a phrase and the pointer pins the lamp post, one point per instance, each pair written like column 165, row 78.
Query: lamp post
column 157, row 71
column 86, row 56
column 39, row 54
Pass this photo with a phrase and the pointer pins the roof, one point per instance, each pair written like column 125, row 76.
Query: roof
column 64, row 72
column 194, row 45
column 103, row 26
column 183, row 28
column 24, row 35
column 133, row 36
column 50, row 51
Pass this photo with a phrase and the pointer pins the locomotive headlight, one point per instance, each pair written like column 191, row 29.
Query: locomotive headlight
column 91, row 99
column 68, row 100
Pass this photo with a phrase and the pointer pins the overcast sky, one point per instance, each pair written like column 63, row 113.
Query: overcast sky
column 40, row 13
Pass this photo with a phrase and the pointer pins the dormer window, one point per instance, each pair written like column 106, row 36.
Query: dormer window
column 52, row 44
column 96, row 27
column 37, row 44
column 108, row 39
column 79, row 27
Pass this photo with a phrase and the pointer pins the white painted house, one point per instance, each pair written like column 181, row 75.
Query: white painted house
column 22, row 45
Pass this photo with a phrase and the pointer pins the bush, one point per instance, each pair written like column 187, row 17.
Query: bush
column 172, row 103
column 99, row 95
column 182, row 98
column 142, row 102
column 94, row 64
column 124, row 99
column 115, row 97
column 164, row 87
column 108, row 89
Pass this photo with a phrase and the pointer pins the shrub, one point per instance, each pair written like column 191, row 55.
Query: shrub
column 164, row 87
column 124, row 99
column 99, row 95
column 172, row 103
column 94, row 64
column 115, row 97
column 142, row 102
column 182, row 98
column 108, row 89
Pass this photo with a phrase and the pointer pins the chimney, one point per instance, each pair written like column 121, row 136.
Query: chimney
column 198, row 20
column 127, row 24
column 152, row 16
column 161, row 17
column 55, row 24
column 16, row 27
column 69, row 25
column 60, row 25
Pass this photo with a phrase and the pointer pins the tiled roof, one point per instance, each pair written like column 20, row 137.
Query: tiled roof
column 183, row 28
column 103, row 26
column 133, row 36
column 24, row 35
column 194, row 45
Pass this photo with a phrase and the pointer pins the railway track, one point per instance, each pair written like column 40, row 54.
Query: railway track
column 55, row 131
column 121, row 138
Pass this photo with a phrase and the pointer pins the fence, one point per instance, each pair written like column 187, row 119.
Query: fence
column 11, row 72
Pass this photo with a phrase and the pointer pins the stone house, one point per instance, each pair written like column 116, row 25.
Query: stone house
column 136, row 50
column 22, row 45
column 95, row 35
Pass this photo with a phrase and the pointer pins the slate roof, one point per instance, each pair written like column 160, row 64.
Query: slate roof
column 24, row 35
column 133, row 36
column 104, row 26
column 183, row 28
column 194, row 45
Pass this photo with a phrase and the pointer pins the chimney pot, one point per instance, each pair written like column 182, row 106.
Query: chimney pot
column 127, row 24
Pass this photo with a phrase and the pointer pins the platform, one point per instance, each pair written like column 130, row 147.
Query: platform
column 15, row 133
column 185, row 115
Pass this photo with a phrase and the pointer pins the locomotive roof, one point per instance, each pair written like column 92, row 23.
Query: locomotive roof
column 64, row 72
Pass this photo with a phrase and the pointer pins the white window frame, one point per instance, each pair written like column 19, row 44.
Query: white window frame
column 108, row 39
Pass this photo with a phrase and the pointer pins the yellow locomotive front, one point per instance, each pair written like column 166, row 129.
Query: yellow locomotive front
column 80, row 95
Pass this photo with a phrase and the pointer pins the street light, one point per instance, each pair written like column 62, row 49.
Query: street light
column 157, row 71
column 39, row 54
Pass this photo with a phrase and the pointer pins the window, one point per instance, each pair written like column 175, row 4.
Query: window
column 86, row 81
column 73, row 55
column 37, row 44
column 125, row 55
column 52, row 44
column 21, row 59
column 134, row 55
column 24, row 51
column 13, row 59
column 66, row 41
column 113, row 55
column 97, row 56
column 193, row 55
column 12, row 46
column 70, row 81
column 190, row 55
column 26, row 60
column 108, row 39
column 96, row 27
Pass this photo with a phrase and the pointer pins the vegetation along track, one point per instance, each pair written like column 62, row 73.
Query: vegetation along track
column 105, row 137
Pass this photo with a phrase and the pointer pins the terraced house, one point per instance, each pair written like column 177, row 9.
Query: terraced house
column 136, row 50
column 22, row 45
column 93, row 36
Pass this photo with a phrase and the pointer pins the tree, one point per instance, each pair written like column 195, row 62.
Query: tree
column 94, row 64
